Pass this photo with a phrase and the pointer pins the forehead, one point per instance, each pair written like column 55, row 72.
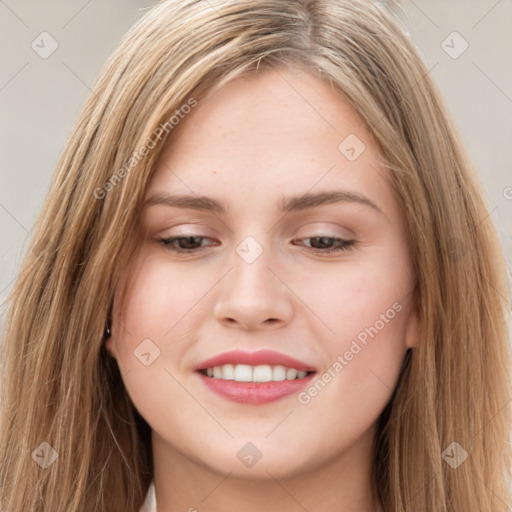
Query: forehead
column 264, row 136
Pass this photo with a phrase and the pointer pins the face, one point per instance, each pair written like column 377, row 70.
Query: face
column 291, row 244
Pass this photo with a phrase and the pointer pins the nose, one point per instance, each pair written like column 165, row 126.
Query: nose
column 254, row 296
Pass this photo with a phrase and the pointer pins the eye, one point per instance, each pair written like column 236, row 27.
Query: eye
column 319, row 244
column 324, row 244
column 182, row 244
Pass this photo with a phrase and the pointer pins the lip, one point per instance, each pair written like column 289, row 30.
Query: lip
column 259, row 357
column 254, row 393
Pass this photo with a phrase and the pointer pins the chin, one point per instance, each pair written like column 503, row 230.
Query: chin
column 248, row 460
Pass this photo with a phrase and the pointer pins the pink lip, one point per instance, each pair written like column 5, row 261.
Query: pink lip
column 253, row 359
column 254, row 392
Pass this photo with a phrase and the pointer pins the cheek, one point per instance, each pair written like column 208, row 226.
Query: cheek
column 157, row 312
column 352, row 296
column 363, row 307
column 151, row 332
column 159, row 297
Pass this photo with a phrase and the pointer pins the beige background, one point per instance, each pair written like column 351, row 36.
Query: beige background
column 40, row 97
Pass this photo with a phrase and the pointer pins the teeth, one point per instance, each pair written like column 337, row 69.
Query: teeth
column 243, row 372
column 260, row 373
column 228, row 372
column 279, row 373
column 291, row 373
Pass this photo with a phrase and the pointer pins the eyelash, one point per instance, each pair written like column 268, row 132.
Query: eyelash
column 344, row 245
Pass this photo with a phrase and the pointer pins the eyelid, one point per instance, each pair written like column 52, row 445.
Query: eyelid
column 187, row 229
column 328, row 226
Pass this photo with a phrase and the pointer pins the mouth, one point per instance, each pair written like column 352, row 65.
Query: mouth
column 254, row 378
column 260, row 373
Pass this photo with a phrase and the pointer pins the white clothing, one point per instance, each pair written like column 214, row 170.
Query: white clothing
column 150, row 501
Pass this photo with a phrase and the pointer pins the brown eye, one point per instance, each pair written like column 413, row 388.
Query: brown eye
column 182, row 244
column 329, row 244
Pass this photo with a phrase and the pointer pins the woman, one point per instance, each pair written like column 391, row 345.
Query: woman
column 264, row 277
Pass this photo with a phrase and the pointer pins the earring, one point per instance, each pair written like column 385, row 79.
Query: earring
column 107, row 331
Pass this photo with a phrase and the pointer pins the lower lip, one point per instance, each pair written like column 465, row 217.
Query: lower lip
column 255, row 392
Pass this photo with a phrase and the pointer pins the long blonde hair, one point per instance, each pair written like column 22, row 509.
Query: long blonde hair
column 71, row 439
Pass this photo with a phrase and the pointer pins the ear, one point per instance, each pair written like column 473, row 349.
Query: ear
column 413, row 330
column 111, row 346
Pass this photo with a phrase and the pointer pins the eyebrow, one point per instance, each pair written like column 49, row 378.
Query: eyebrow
column 286, row 204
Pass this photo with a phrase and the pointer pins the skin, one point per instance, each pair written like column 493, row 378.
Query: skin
column 252, row 142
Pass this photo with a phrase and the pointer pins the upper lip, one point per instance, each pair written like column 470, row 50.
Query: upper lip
column 259, row 357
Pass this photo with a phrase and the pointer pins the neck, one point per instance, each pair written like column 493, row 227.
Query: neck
column 343, row 483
